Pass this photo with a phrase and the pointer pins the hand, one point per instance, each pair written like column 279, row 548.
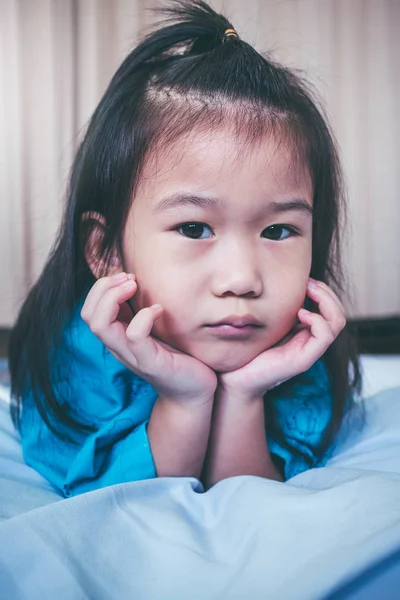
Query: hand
column 295, row 353
column 174, row 374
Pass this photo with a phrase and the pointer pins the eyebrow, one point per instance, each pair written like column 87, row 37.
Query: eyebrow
column 180, row 199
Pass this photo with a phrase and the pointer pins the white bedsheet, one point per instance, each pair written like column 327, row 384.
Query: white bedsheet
column 162, row 539
column 380, row 372
column 246, row 538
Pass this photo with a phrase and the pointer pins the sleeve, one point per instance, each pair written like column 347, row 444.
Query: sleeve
column 297, row 415
column 95, row 388
column 118, row 452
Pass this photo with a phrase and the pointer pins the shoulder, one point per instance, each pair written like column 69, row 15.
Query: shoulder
column 297, row 417
column 91, row 388
column 303, row 405
column 80, row 348
column 83, row 361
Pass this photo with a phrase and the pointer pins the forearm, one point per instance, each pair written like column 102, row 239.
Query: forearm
column 238, row 444
column 178, row 435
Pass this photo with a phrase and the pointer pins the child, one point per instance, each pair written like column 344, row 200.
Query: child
column 178, row 296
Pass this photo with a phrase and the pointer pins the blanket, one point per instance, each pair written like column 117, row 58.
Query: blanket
column 245, row 538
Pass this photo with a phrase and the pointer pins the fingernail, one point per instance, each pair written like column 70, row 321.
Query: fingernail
column 119, row 276
column 130, row 276
column 312, row 284
column 128, row 283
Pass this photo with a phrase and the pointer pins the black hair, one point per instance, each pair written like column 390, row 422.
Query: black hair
column 185, row 74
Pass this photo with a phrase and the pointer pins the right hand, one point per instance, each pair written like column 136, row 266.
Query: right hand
column 174, row 374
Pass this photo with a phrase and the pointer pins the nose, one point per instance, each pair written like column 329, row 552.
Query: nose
column 236, row 271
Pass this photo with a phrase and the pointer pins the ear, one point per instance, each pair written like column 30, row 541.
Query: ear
column 96, row 235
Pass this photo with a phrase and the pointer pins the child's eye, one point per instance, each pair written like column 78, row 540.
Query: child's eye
column 279, row 232
column 194, row 231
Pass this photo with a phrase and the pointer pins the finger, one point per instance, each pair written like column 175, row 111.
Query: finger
column 141, row 325
column 320, row 285
column 329, row 308
column 140, row 346
column 98, row 290
column 314, row 284
column 311, row 343
column 291, row 334
column 322, row 335
column 134, row 348
column 108, row 306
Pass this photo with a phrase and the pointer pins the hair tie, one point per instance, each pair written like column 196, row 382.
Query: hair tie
column 229, row 33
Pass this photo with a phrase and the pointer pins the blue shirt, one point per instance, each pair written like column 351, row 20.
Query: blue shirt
column 95, row 387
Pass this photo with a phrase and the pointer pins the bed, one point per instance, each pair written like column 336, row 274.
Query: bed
column 245, row 538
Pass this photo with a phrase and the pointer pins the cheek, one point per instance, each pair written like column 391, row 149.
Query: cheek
column 161, row 284
column 168, row 286
column 288, row 300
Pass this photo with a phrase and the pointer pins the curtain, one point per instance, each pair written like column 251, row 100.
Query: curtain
column 57, row 56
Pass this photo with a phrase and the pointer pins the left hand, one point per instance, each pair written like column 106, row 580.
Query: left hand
column 295, row 353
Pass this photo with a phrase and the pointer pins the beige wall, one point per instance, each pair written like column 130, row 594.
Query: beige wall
column 56, row 58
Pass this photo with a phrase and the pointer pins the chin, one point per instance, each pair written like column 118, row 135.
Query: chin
column 226, row 364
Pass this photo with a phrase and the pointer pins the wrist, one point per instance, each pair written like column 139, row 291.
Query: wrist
column 178, row 434
column 239, row 397
column 201, row 402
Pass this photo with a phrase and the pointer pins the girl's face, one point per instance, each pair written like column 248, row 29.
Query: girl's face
column 214, row 233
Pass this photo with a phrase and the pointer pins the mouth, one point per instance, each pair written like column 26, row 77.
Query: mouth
column 233, row 333
column 238, row 322
column 235, row 327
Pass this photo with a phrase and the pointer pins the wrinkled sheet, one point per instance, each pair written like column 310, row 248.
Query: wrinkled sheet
column 21, row 488
column 163, row 538
column 246, row 538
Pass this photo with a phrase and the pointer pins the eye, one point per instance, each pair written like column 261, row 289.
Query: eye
column 279, row 232
column 194, row 231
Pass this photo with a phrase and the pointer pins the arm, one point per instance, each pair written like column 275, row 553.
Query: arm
column 238, row 444
column 126, row 447
column 178, row 430
column 178, row 435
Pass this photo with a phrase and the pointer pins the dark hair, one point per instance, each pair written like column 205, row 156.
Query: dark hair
column 182, row 76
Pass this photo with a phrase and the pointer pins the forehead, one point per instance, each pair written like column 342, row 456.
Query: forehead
column 222, row 158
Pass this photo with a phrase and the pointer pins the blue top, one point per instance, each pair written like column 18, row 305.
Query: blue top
column 95, row 387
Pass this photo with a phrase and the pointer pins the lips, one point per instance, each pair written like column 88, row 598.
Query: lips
column 238, row 321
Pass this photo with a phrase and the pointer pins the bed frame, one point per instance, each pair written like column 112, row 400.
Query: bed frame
column 377, row 336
